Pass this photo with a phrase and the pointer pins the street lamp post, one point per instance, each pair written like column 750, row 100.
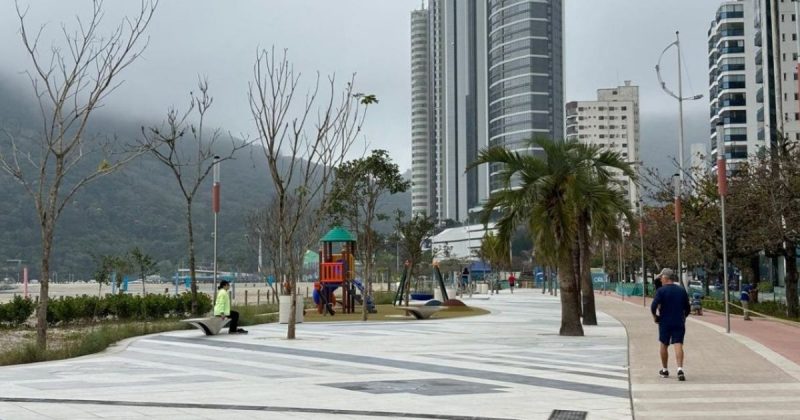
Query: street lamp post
column 679, row 96
column 722, row 185
column 676, row 183
column 215, row 190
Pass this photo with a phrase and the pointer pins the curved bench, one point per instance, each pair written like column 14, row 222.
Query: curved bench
column 423, row 312
column 211, row 325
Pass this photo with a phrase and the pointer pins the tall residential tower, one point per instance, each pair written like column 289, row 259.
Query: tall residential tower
column 494, row 78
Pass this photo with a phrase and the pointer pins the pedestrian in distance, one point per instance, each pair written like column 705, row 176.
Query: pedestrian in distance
column 512, row 282
column 697, row 304
column 744, row 298
column 670, row 308
column 222, row 308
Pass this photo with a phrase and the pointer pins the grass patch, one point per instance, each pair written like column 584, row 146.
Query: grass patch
column 391, row 313
column 257, row 314
column 83, row 341
column 773, row 309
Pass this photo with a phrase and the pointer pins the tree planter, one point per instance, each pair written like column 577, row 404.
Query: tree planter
column 285, row 309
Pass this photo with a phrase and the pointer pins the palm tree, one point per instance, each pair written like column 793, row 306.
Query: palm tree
column 557, row 196
column 599, row 213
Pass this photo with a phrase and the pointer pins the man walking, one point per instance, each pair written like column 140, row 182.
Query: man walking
column 670, row 308
column 744, row 298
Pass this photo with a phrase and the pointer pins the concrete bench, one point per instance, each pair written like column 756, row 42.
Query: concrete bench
column 423, row 312
column 211, row 325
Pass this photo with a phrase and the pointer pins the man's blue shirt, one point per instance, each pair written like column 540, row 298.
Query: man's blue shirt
column 674, row 303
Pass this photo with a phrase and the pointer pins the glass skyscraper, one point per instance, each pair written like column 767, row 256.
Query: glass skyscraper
column 495, row 78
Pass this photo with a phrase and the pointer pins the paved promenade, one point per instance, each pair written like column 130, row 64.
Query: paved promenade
column 510, row 364
column 728, row 376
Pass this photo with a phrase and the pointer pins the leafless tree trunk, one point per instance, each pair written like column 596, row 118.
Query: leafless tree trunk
column 191, row 158
column 301, row 154
column 70, row 81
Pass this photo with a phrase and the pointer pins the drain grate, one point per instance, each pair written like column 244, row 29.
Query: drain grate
column 567, row 415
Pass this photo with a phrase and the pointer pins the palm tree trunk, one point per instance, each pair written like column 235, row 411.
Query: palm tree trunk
column 791, row 279
column 570, row 311
column 587, row 288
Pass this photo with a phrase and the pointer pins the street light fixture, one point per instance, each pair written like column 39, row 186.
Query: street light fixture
column 679, row 96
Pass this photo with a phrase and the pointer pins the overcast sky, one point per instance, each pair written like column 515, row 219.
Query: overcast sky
column 607, row 42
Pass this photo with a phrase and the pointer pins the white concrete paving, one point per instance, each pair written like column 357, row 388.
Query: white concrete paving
column 510, row 364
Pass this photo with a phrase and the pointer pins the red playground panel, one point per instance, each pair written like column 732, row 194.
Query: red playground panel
column 332, row 272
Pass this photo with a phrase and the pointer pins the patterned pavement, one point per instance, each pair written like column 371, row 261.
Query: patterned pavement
column 510, row 364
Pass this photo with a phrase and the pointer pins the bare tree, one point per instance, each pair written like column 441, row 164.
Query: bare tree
column 70, row 82
column 261, row 225
column 302, row 149
column 191, row 158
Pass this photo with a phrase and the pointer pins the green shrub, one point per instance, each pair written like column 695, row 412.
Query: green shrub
column 17, row 311
column 765, row 287
column 69, row 309
column 383, row 298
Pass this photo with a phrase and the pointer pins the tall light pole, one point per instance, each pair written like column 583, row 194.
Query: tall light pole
column 215, row 190
column 676, row 183
column 679, row 96
column 722, row 185
column 641, row 251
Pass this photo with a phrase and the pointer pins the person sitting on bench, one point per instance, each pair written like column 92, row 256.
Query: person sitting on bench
column 223, row 308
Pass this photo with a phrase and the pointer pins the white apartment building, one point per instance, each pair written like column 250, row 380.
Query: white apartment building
column 735, row 78
column 612, row 123
column 778, row 22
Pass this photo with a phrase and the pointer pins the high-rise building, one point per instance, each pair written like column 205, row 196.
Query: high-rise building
column 526, row 86
column 423, row 190
column 776, row 23
column 736, row 116
column 611, row 123
column 494, row 77
column 753, row 82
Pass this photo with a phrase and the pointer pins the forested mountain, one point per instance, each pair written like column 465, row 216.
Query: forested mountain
column 138, row 206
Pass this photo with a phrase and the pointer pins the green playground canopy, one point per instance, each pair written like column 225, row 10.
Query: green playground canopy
column 338, row 234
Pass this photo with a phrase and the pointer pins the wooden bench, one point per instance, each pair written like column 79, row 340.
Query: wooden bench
column 423, row 312
column 211, row 325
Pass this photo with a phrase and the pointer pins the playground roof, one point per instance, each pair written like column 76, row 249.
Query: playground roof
column 338, row 234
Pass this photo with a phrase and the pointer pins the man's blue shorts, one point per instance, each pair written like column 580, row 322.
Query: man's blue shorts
column 671, row 334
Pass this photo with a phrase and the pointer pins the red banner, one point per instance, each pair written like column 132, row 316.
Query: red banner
column 215, row 197
column 722, row 177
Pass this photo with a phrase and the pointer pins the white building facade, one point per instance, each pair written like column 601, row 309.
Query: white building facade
column 612, row 123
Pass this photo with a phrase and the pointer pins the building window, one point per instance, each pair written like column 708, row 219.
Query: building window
column 624, row 108
column 602, row 136
column 794, row 17
column 797, row 116
column 794, row 37
column 611, row 108
column 602, row 117
column 624, row 117
column 614, row 93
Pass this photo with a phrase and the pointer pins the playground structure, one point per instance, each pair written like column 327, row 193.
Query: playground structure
column 337, row 270
column 405, row 284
